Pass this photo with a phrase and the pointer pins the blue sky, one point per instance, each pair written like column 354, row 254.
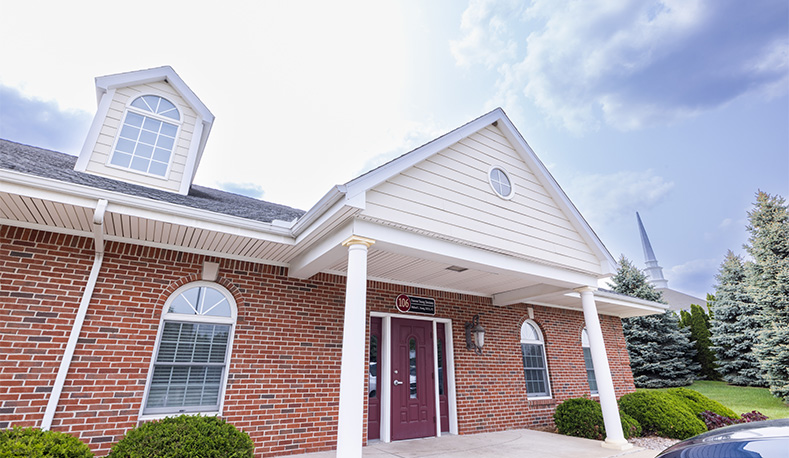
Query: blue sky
column 676, row 109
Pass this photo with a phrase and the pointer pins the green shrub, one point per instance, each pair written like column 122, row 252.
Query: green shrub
column 698, row 403
column 663, row 414
column 582, row 417
column 35, row 443
column 630, row 426
column 187, row 436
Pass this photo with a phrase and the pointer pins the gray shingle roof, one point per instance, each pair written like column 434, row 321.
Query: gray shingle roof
column 59, row 166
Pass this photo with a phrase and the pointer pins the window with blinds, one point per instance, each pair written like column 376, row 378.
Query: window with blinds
column 535, row 365
column 190, row 367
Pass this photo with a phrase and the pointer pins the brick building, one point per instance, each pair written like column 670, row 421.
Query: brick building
column 127, row 293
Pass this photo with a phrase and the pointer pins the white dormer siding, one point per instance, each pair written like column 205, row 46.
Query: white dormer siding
column 116, row 94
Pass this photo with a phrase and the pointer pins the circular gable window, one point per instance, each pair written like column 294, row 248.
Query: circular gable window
column 500, row 182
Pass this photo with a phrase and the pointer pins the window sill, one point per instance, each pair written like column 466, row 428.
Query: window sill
column 543, row 401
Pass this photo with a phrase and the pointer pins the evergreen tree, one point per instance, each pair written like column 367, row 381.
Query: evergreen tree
column 768, row 285
column 734, row 325
column 700, row 336
column 659, row 350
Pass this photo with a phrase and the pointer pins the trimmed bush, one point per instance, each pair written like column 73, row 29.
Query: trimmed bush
column 186, row 436
column 582, row 417
column 698, row 403
column 662, row 414
column 35, row 443
column 630, row 426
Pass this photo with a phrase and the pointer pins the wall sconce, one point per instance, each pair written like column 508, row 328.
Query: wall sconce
column 475, row 335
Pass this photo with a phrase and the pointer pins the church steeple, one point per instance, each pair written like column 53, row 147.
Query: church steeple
column 653, row 270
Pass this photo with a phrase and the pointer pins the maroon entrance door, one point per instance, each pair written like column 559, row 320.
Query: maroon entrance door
column 413, row 388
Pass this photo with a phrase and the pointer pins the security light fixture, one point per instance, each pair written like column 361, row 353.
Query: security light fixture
column 475, row 335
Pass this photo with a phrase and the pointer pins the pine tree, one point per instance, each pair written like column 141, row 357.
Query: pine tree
column 700, row 336
column 659, row 350
column 735, row 325
column 768, row 285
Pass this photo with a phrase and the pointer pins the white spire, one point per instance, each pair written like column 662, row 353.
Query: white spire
column 653, row 270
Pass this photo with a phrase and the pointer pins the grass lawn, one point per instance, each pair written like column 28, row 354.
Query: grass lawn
column 743, row 399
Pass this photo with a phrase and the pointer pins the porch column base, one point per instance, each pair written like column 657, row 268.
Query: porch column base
column 616, row 444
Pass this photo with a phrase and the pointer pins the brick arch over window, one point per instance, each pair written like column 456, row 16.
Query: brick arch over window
column 222, row 281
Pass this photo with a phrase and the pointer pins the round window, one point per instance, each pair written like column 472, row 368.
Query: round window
column 500, row 182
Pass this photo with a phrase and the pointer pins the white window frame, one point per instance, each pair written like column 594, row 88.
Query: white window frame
column 129, row 108
column 506, row 175
column 166, row 316
column 585, row 346
column 540, row 341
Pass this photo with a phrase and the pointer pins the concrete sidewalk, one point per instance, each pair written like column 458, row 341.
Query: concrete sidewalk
column 518, row 443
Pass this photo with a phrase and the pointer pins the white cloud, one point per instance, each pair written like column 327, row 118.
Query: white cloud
column 693, row 277
column 607, row 199
column 487, row 38
column 629, row 63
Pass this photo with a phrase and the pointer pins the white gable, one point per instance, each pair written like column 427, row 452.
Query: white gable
column 115, row 95
column 446, row 193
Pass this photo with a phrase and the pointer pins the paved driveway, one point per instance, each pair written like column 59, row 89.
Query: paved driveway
column 521, row 443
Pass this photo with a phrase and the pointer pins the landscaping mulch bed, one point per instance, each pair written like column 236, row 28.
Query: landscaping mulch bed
column 652, row 442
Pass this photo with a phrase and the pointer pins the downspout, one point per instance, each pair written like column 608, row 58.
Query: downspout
column 68, row 355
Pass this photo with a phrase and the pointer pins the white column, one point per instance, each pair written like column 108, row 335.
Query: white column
column 350, row 427
column 605, row 384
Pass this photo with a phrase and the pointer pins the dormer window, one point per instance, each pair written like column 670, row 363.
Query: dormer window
column 147, row 136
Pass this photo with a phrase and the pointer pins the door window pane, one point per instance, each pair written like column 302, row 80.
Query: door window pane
column 372, row 384
column 412, row 367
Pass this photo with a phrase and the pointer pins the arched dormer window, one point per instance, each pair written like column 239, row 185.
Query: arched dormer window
column 588, row 362
column 535, row 365
column 192, row 351
column 147, row 137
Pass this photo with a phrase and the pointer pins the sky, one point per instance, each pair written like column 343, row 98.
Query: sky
column 677, row 109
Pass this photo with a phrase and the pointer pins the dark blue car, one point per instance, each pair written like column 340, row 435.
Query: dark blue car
column 760, row 439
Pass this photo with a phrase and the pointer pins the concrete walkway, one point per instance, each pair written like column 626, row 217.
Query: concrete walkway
column 520, row 443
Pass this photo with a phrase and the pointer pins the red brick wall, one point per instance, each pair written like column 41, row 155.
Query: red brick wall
column 283, row 383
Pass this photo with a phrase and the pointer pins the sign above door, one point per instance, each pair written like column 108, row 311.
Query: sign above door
column 413, row 304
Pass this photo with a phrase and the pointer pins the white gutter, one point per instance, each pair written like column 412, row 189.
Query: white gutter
column 68, row 355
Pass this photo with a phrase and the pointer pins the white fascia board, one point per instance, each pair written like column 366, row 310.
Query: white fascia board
column 192, row 158
column 151, row 75
column 381, row 174
column 105, row 101
column 324, row 254
column 319, row 210
column 85, row 196
column 627, row 301
column 607, row 262
column 425, row 247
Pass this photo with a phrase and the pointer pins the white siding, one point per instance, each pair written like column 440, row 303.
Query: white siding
column 109, row 130
column 449, row 194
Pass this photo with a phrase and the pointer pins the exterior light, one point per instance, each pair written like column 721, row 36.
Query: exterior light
column 475, row 335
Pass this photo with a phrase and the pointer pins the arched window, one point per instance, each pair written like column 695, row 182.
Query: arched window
column 535, row 366
column 588, row 362
column 147, row 137
column 192, row 352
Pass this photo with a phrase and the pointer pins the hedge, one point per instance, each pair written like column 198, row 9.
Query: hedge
column 35, row 443
column 186, row 436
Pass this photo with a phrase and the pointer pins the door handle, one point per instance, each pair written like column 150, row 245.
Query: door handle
column 398, row 382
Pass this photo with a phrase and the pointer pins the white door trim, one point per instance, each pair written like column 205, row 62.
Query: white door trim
column 386, row 368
